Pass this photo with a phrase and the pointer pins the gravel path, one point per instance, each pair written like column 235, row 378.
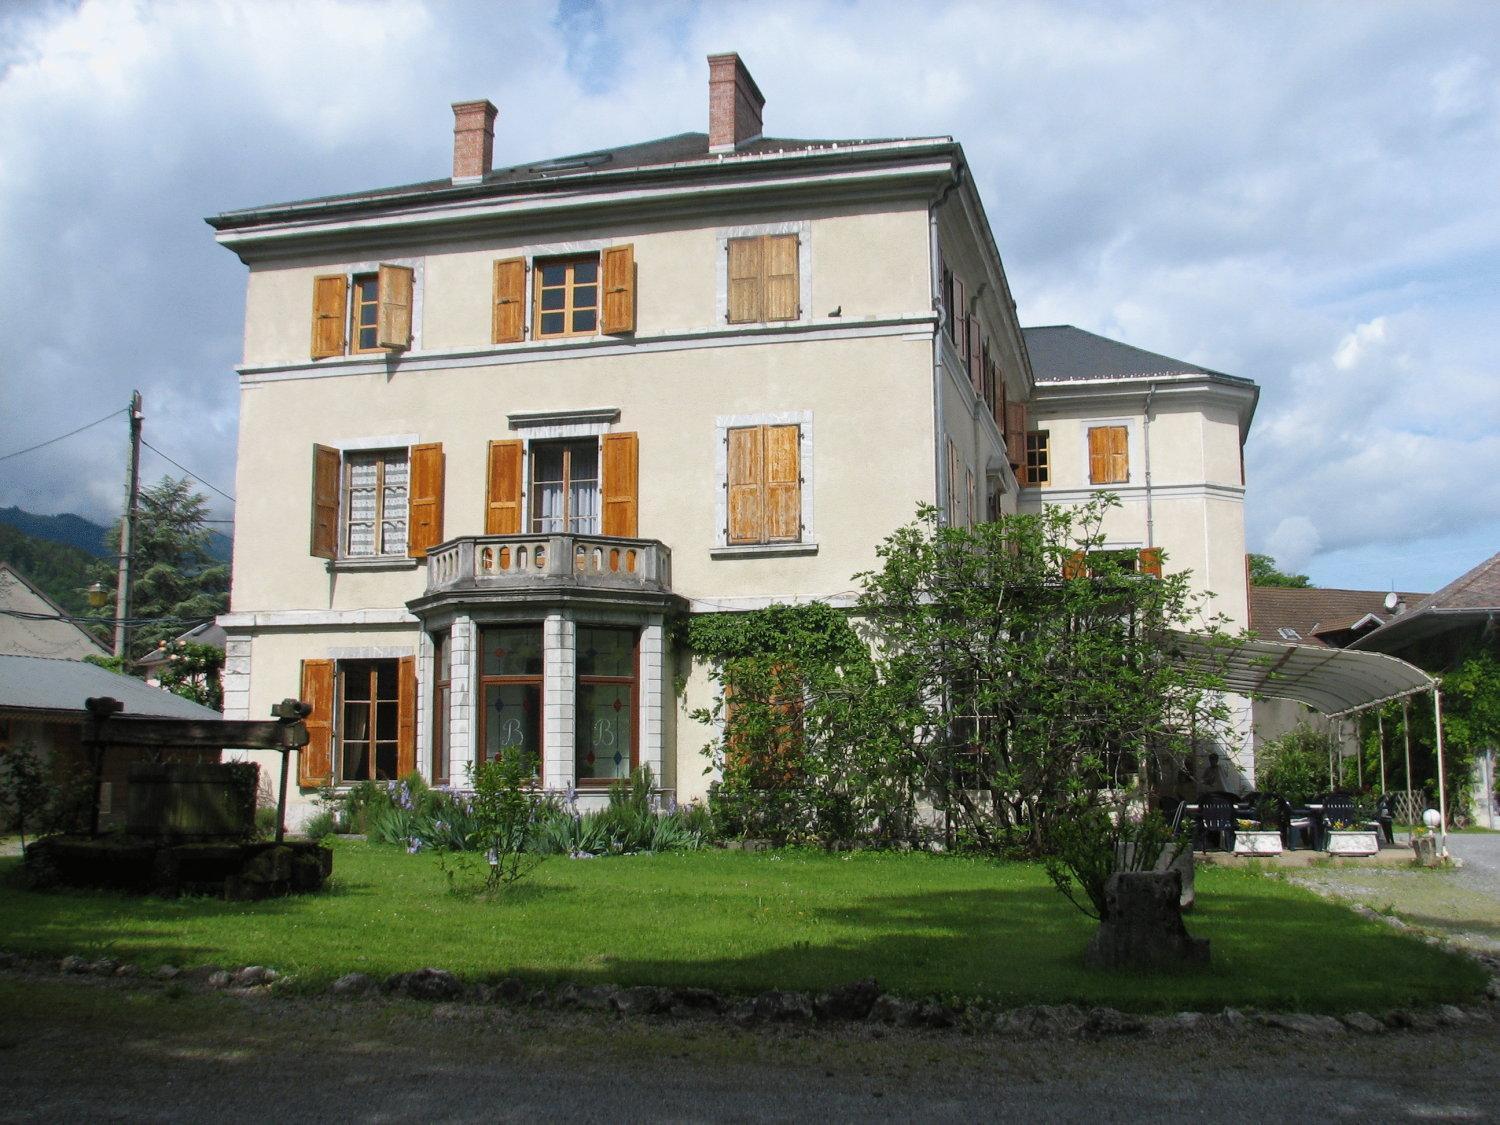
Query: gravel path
column 1460, row 903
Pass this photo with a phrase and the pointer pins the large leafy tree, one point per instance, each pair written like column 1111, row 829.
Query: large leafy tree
column 175, row 581
column 1016, row 673
column 1263, row 572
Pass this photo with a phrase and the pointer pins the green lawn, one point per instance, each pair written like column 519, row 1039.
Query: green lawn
column 742, row 922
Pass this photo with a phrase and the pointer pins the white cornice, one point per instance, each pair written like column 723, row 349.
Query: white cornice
column 417, row 220
column 1193, row 490
column 498, row 355
column 312, row 619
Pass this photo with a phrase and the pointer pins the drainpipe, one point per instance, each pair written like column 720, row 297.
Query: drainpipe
column 940, row 463
column 1146, row 440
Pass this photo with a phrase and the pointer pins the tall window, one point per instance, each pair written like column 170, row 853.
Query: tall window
column 365, row 312
column 510, row 679
column 565, row 487
column 605, row 720
column 442, row 696
column 369, row 720
column 1038, row 458
column 1109, row 455
column 375, row 503
column 567, row 297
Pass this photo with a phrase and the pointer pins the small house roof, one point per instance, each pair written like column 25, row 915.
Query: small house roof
column 1473, row 596
column 42, row 685
column 1313, row 615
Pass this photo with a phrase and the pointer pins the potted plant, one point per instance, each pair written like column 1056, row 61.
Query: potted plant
column 1251, row 837
column 1348, row 837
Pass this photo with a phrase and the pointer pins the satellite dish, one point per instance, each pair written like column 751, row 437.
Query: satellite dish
column 1391, row 602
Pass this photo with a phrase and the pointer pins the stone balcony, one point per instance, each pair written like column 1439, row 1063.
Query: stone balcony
column 545, row 567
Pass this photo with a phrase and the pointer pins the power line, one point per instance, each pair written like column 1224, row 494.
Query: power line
column 70, row 433
column 188, row 471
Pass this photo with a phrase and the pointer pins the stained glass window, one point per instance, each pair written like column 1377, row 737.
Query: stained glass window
column 606, row 703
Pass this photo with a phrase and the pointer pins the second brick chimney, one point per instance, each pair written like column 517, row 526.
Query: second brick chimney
column 473, row 140
column 734, row 104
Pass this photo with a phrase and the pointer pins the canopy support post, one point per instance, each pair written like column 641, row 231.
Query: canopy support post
column 1437, row 711
column 1380, row 730
column 1406, row 737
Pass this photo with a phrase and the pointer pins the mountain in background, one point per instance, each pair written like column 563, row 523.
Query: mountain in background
column 84, row 535
column 61, row 572
column 68, row 529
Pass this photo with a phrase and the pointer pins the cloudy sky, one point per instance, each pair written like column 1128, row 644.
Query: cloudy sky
column 1307, row 194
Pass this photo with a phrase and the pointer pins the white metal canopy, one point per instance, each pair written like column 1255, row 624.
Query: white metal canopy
column 1335, row 681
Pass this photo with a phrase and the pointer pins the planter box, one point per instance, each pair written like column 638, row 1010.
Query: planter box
column 1252, row 841
column 1353, row 843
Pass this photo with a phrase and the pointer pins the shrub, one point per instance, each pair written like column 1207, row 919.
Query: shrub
column 1092, row 842
column 1295, row 765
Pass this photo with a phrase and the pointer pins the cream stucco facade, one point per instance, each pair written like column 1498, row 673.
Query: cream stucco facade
column 882, row 383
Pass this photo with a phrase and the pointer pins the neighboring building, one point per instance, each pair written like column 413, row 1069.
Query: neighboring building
column 498, row 430
column 1323, row 618
column 32, row 624
column 42, row 706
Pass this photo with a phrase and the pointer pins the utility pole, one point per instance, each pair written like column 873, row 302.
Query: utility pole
column 127, row 528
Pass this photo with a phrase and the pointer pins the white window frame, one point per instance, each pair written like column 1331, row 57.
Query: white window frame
column 803, row 230
column 375, row 443
column 560, row 426
column 808, row 544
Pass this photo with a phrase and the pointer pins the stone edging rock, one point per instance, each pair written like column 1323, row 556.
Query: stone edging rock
column 860, row 1001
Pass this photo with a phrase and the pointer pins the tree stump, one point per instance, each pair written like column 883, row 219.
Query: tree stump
column 1142, row 927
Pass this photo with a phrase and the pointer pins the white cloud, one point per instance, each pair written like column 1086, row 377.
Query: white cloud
column 1302, row 200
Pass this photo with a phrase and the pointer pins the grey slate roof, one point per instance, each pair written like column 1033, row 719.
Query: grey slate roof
column 38, row 683
column 1061, row 353
column 1474, row 589
column 1473, row 596
column 658, row 153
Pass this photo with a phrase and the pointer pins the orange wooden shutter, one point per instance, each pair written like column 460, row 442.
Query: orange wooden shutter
column 1150, row 561
column 976, row 356
column 325, row 502
column 783, row 503
column 508, row 322
column 745, row 255
column 424, row 528
column 1075, row 566
column 1098, row 455
column 618, row 265
column 330, row 312
column 393, row 314
column 781, row 297
column 1119, row 455
column 618, row 483
column 1015, row 432
column 502, row 515
column 406, row 715
column 960, row 319
column 746, row 465
column 315, row 761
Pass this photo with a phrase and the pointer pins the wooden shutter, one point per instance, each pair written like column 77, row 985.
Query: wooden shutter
column 1075, row 566
column 406, row 715
column 502, row 514
column 618, row 266
column 424, row 528
column 746, row 464
column 976, row 356
column 1109, row 458
column 783, row 503
column 325, row 502
column 960, row 319
column 618, row 482
column 745, row 256
column 315, row 761
column 1000, row 404
column 508, row 322
column 329, row 315
column 1150, row 561
column 1015, row 432
column 393, row 313
column 782, row 299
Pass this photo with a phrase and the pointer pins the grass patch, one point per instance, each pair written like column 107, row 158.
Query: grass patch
column 743, row 922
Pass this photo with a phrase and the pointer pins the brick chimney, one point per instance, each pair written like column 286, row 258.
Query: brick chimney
column 473, row 140
column 734, row 104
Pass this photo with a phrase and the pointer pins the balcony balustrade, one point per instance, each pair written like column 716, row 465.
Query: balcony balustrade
column 521, row 563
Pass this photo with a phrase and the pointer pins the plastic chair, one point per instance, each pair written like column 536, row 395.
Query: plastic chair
column 1216, row 818
column 1290, row 821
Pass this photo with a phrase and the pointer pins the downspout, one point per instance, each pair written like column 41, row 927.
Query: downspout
column 1146, row 450
column 940, row 463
